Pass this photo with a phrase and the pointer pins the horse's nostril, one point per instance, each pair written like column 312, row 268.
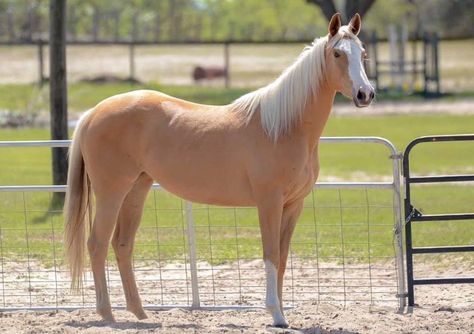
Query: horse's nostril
column 372, row 95
column 360, row 95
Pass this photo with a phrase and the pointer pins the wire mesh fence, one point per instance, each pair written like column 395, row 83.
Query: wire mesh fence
column 343, row 251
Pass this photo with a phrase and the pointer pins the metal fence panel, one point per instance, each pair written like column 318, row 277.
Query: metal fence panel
column 344, row 248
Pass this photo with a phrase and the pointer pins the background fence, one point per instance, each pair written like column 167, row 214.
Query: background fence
column 344, row 249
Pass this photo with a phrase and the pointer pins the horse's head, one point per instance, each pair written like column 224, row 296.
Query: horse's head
column 344, row 61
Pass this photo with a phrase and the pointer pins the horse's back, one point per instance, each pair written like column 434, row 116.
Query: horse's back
column 196, row 151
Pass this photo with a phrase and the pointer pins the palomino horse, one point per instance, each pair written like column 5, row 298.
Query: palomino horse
column 261, row 150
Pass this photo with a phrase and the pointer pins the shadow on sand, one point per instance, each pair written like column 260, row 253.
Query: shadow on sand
column 119, row 325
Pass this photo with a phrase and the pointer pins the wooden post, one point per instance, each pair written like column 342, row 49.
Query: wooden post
column 227, row 64
column 95, row 24
column 414, row 61
column 425, row 70
column 131, row 53
column 435, row 61
column 40, row 62
column 131, row 58
column 58, row 92
column 376, row 58
column 10, row 24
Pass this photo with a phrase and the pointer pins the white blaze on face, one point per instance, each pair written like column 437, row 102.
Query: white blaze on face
column 357, row 74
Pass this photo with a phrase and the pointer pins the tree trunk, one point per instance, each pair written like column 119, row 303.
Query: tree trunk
column 357, row 6
column 58, row 93
column 350, row 8
column 327, row 6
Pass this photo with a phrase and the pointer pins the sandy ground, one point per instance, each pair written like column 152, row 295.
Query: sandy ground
column 442, row 309
column 432, row 317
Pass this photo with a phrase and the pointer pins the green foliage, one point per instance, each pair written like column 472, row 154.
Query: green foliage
column 221, row 20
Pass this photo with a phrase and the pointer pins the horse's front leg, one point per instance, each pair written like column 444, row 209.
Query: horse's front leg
column 291, row 213
column 270, row 209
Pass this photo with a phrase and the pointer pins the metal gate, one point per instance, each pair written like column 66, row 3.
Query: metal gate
column 412, row 215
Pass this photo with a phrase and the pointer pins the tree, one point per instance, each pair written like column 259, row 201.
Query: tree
column 350, row 8
column 58, row 92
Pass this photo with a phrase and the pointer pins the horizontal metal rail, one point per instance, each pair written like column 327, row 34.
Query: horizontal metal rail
column 446, row 280
column 440, row 178
column 443, row 217
column 442, row 249
column 156, row 186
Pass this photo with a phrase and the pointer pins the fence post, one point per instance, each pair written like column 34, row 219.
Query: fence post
column 58, row 92
column 226, row 64
column 425, row 60
column 376, row 58
column 398, row 230
column 40, row 62
column 435, row 61
column 192, row 254
column 131, row 58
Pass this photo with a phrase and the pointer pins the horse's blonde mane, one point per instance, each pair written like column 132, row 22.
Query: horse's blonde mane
column 282, row 102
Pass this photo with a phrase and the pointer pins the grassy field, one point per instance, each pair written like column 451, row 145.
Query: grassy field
column 32, row 100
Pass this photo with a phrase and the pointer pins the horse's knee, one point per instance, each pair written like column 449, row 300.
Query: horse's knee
column 123, row 250
column 97, row 249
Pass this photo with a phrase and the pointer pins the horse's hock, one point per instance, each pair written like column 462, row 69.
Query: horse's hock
column 343, row 249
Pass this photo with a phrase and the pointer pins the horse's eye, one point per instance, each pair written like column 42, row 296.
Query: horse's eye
column 337, row 54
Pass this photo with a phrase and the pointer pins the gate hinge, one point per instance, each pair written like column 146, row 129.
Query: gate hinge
column 404, row 295
column 413, row 213
column 396, row 156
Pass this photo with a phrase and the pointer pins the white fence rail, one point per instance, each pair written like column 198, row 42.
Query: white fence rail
column 208, row 257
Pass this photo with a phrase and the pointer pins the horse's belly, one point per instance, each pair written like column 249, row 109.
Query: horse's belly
column 212, row 186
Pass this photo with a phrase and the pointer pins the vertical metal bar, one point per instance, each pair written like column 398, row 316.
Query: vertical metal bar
column 2, row 259
column 341, row 228
column 368, row 246
column 158, row 252
column 397, row 208
column 192, row 254
column 408, row 238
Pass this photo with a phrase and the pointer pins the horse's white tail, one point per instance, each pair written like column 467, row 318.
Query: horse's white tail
column 77, row 209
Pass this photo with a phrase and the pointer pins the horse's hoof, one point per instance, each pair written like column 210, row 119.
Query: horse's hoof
column 281, row 325
column 106, row 315
column 140, row 314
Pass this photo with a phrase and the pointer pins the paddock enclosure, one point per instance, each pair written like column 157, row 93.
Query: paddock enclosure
column 347, row 247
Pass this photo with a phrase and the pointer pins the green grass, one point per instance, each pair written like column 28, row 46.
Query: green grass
column 330, row 217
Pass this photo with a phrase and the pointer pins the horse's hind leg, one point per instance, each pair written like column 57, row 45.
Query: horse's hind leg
column 124, row 237
column 107, row 208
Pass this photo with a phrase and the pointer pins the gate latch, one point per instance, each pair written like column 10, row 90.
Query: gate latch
column 413, row 213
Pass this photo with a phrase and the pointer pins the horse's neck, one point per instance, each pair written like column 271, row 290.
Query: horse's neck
column 316, row 115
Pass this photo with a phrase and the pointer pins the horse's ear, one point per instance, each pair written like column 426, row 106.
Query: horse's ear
column 334, row 24
column 355, row 24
